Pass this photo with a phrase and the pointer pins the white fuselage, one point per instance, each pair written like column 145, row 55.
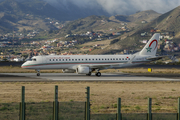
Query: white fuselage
column 72, row 61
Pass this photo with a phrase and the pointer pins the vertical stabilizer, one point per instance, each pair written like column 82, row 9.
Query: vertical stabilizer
column 151, row 47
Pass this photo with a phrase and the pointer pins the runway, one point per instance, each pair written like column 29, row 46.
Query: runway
column 15, row 77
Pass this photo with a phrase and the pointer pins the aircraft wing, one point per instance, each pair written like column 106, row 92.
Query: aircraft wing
column 102, row 66
column 96, row 66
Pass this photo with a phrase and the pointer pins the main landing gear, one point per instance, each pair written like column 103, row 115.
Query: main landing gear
column 38, row 72
column 89, row 74
column 98, row 73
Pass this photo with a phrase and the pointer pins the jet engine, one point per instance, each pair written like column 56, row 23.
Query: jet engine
column 68, row 71
column 83, row 70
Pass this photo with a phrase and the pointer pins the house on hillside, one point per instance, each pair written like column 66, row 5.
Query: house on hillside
column 143, row 21
column 143, row 34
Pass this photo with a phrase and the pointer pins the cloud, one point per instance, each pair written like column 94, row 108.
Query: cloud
column 131, row 6
column 123, row 7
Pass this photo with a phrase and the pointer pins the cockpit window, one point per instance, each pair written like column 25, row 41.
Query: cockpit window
column 29, row 60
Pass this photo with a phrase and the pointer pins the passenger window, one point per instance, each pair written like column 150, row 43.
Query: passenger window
column 75, row 59
column 86, row 59
column 122, row 58
column 92, row 59
column 116, row 58
column 89, row 59
column 63, row 59
column 126, row 59
column 56, row 59
column 79, row 59
column 69, row 59
column 49, row 59
column 99, row 59
column 82, row 59
column 72, row 59
column 119, row 58
column 113, row 58
column 96, row 59
column 129, row 58
column 102, row 59
column 108, row 58
column 53, row 59
column 59, row 59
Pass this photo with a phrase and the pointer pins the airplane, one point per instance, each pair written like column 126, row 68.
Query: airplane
column 86, row 64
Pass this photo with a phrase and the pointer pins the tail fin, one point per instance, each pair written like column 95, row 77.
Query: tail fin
column 151, row 47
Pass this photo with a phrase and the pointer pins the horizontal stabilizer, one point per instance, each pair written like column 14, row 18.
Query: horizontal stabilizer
column 155, row 58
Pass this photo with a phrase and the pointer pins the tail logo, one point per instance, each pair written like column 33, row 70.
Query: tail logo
column 149, row 48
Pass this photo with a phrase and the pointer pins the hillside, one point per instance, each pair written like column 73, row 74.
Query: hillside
column 32, row 14
column 27, row 15
column 169, row 21
column 104, row 24
column 147, row 15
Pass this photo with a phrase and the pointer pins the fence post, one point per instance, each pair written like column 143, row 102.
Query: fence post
column 119, row 117
column 178, row 109
column 22, row 104
column 88, row 104
column 149, row 109
column 56, row 105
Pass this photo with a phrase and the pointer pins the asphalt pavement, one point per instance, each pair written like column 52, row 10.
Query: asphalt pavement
column 25, row 77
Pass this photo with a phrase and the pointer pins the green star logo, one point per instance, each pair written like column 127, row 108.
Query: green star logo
column 148, row 49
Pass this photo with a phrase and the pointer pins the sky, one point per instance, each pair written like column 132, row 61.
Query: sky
column 124, row 7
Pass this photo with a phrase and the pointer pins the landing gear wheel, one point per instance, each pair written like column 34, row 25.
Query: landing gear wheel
column 98, row 74
column 38, row 74
column 89, row 74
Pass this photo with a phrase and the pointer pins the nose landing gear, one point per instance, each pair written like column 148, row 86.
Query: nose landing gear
column 38, row 72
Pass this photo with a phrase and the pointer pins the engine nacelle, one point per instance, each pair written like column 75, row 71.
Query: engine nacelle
column 83, row 70
column 68, row 71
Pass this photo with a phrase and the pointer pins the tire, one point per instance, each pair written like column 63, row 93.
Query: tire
column 98, row 74
column 38, row 74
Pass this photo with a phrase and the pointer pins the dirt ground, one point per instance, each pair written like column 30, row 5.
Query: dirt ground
column 134, row 95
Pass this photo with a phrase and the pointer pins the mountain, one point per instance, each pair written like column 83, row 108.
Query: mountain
column 103, row 23
column 169, row 21
column 72, row 10
column 147, row 15
column 31, row 14
column 28, row 15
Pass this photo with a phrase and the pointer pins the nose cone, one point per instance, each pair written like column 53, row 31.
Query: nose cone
column 23, row 65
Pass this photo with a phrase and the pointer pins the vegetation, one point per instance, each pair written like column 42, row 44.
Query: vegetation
column 103, row 101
